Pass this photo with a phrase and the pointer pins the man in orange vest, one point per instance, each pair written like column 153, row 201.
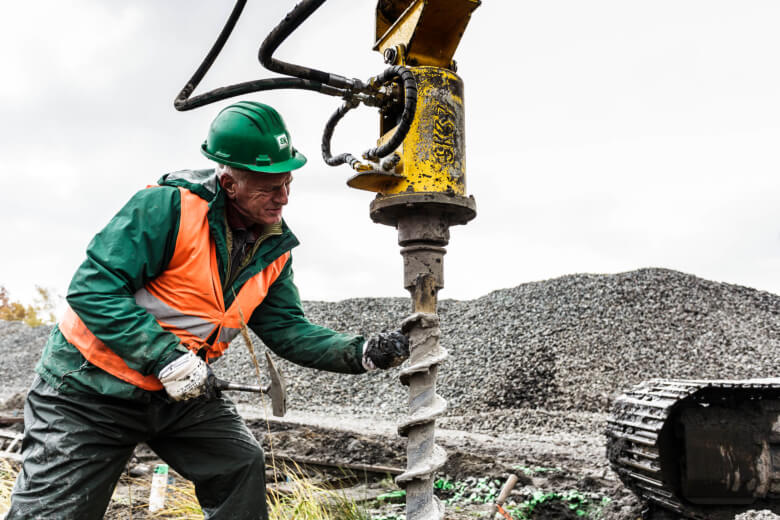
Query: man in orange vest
column 166, row 286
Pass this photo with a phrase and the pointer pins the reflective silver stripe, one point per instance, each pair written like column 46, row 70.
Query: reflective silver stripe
column 227, row 334
column 167, row 314
column 206, row 178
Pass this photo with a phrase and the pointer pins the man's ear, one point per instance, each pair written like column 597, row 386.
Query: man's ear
column 229, row 184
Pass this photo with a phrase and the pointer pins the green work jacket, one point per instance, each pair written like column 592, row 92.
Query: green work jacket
column 135, row 247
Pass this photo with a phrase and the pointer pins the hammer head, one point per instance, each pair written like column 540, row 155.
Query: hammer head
column 277, row 389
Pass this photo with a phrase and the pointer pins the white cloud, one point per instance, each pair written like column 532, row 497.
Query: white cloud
column 602, row 136
column 79, row 45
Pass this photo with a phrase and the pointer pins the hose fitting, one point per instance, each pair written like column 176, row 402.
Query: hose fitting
column 380, row 95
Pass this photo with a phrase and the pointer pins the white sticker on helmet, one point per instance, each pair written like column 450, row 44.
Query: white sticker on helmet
column 283, row 141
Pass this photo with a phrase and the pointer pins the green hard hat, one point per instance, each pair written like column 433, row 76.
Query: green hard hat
column 251, row 136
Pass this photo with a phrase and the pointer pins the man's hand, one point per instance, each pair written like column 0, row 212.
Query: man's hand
column 185, row 377
column 385, row 350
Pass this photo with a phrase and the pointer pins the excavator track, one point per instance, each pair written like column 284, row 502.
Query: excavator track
column 699, row 449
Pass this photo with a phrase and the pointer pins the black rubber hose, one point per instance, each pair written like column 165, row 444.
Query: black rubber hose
column 183, row 101
column 218, row 94
column 410, row 105
column 305, row 78
column 327, row 135
column 180, row 103
column 291, row 22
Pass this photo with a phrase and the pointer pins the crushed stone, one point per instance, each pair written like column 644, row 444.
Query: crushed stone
column 554, row 353
column 542, row 355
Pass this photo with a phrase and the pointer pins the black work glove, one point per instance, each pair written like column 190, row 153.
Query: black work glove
column 211, row 390
column 385, row 350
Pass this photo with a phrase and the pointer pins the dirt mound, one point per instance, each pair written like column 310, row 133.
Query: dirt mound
column 568, row 344
column 562, row 345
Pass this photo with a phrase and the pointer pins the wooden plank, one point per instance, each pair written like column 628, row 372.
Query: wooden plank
column 366, row 468
column 10, row 419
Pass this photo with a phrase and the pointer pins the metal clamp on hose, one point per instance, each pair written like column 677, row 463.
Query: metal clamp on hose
column 291, row 22
column 410, row 105
column 395, row 73
column 354, row 91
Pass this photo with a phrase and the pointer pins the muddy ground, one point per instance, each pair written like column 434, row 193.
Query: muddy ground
column 562, row 474
column 363, row 455
column 480, row 464
column 531, row 374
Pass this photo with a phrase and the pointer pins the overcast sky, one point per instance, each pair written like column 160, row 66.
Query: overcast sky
column 602, row 136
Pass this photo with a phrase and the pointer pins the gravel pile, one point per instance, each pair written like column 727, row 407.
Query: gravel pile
column 21, row 347
column 558, row 346
column 562, row 345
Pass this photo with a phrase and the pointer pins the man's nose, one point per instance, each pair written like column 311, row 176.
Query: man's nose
column 282, row 194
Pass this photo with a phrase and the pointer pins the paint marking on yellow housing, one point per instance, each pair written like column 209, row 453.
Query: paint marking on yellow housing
column 433, row 156
column 433, row 153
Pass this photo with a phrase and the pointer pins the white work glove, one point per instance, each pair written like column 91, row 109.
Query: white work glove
column 367, row 363
column 185, row 377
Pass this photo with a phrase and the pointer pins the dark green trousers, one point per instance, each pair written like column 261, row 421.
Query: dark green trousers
column 76, row 446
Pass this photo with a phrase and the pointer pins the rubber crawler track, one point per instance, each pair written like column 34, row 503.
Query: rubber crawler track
column 635, row 432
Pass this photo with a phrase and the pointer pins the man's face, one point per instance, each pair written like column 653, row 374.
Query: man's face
column 259, row 197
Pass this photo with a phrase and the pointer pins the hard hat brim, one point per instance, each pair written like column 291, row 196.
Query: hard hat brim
column 293, row 163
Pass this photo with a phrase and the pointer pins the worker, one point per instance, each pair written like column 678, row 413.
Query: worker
column 165, row 287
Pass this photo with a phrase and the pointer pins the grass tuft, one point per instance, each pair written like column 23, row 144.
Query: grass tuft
column 8, row 472
column 304, row 499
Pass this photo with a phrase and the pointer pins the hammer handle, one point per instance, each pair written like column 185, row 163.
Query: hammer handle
column 227, row 385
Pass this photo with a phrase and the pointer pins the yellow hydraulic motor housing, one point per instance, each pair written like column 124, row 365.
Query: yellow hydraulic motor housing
column 430, row 165
column 433, row 153
column 421, row 190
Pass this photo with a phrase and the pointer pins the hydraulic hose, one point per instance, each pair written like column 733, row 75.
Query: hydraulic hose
column 410, row 105
column 291, row 22
column 353, row 90
column 394, row 73
column 183, row 101
column 327, row 134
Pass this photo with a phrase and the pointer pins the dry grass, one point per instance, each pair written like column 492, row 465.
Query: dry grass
column 131, row 500
column 306, row 500
column 302, row 499
column 8, row 472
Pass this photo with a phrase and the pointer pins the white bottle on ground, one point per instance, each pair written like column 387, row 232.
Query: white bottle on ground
column 159, row 487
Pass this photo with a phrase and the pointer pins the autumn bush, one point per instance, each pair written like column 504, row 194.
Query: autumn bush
column 40, row 312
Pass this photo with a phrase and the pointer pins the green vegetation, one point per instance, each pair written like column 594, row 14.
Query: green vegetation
column 468, row 491
column 397, row 495
column 41, row 312
column 579, row 504
column 456, row 494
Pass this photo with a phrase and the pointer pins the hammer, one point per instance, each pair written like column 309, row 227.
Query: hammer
column 276, row 388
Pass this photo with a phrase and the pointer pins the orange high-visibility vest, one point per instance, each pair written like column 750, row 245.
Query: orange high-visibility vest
column 186, row 299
